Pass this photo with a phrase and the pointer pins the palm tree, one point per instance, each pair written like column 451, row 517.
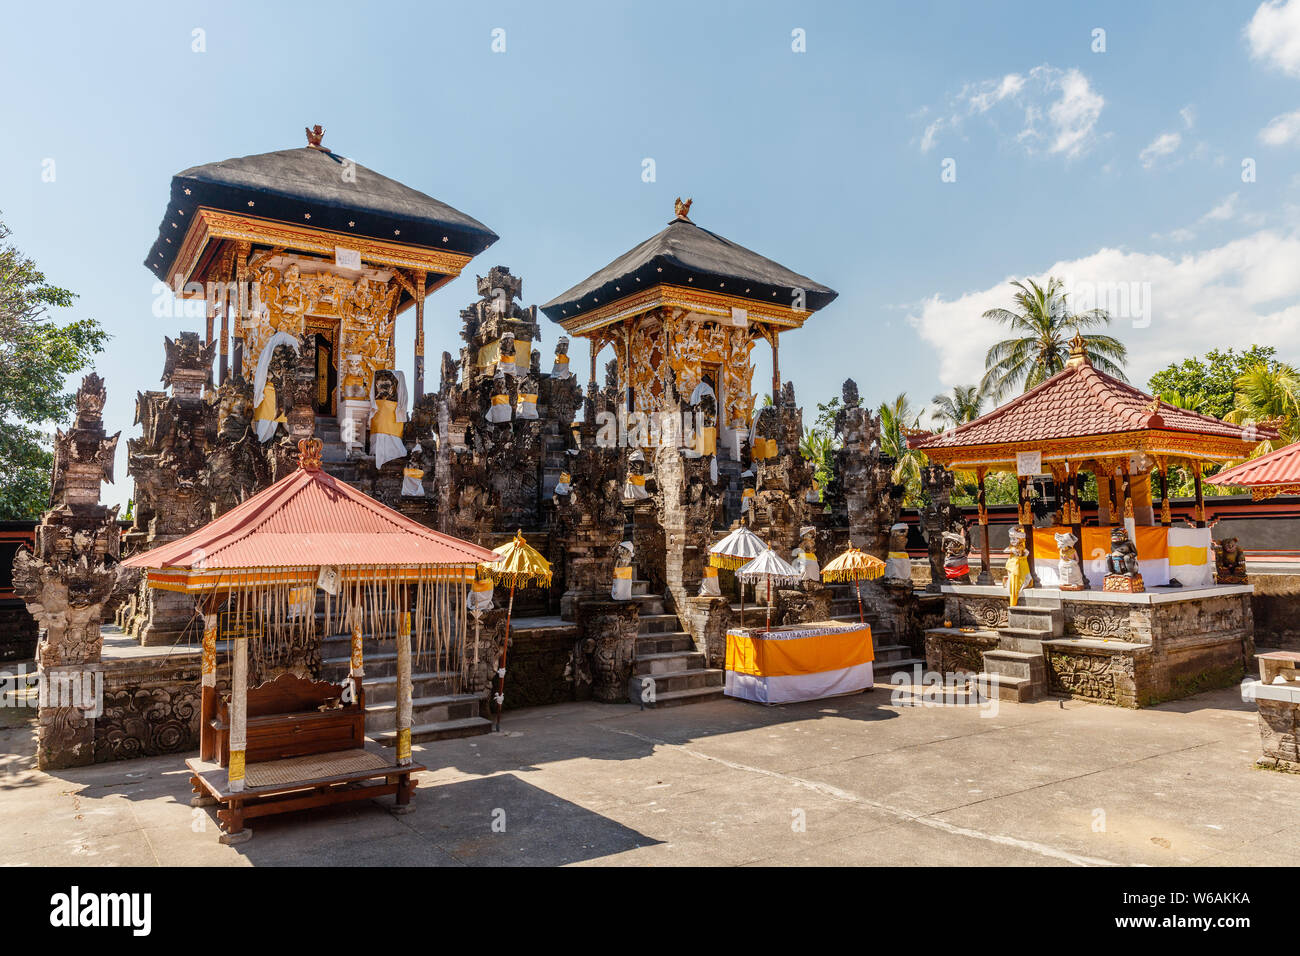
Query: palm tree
column 1269, row 395
column 1045, row 325
column 964, row 405
column 897, row 418
column 1188, row 401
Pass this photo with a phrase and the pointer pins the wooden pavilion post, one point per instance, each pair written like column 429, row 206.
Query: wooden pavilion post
column 404, row 689
column 238, row 712
column 1166, row 517
column 986, row 573
column 1076, row 517
column 1200, row 494
column 1125, row 500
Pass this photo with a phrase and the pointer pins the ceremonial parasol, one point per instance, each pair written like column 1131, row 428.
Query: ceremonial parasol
column 735, row 551
column 519, row 565
column 769, row 567
column 857, row 566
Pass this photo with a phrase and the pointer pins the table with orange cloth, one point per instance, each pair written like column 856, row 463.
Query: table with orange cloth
column 798, row 662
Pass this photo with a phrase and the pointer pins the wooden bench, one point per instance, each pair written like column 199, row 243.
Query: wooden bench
column 304, row 748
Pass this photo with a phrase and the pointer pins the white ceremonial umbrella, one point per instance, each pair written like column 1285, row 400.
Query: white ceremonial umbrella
column 735, row 551
column 769, row 567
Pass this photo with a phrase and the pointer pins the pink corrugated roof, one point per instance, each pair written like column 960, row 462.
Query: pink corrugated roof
column 1281, row 467
column 309, row 518
column 1078, row 401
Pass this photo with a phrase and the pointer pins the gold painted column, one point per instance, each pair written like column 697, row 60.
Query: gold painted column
column 238, row 712
column 419, row 278
column 776, row 368
column 243, row 307
column 1166, row 517
column 404, row 689
column 208, row 700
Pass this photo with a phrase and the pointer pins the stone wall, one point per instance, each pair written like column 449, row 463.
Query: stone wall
column 1276, row 604
column 1132, row 654
column 151, row 708
column 18, row 632
column 707, row 619
column 538, row 665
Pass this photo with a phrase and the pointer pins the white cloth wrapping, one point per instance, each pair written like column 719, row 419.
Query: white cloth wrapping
column 412, row 485
column 782, row 690
column 480, row 596
column 806, row 561
column 563, row 486
column 264, row 428
column 499, row 412
column 709, row 583
column 526, row 407
column 386, row 448
column 561, row 369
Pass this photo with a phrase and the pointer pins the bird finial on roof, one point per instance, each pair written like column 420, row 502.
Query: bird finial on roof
column 314, row 135
column 682, row 210
column 309, row 454
column 1078, row 351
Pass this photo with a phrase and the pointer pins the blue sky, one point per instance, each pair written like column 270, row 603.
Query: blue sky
column 1121, row 166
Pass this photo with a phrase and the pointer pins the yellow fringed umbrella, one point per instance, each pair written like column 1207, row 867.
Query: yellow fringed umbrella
column 857, row 566
column 518, row 565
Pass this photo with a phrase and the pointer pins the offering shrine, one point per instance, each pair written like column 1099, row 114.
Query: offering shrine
column 1127, row 610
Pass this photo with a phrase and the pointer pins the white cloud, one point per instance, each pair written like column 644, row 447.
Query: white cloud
column 1056, row 109
column 1224, row 210
column 1274, row 35
column 1163, row 145
column 1281, row 129
column 1188, row 113
column 1075, row 114
column 1244, row 292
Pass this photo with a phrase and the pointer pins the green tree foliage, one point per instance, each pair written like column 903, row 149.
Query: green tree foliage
column 1209, row 385
column 36, row 357
column 1043, row 326
column 965, row 404
column 896, row 419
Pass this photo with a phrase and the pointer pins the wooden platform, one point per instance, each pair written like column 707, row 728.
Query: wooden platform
column 300, row 783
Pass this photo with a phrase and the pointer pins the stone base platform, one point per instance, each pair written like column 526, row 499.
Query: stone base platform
column 1128, row 649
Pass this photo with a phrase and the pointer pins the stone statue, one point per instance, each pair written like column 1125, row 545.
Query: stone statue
column 956, row 561
column 1229, row 562
column 1068, row 571
column 1122, row 572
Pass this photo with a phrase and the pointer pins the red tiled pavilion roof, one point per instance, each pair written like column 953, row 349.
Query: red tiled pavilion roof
column 1278, row 469
column 1081, row 402
column 311, row 519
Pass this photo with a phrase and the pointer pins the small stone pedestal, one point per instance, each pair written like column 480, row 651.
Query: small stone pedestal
column 609, row 629
column 1277, row 694
column 354, row 421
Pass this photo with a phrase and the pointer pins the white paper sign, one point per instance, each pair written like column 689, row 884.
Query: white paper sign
column 739, row 317
column 347, row 258
column 328, row 580
column 1029, row 463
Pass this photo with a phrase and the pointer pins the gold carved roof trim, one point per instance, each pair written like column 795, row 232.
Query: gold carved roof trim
column 213, row 224
column 1115, row 445
column 700, row 301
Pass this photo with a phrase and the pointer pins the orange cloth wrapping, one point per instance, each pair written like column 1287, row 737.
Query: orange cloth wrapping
column 772, row 657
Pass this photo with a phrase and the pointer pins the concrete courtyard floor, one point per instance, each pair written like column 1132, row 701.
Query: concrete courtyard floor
column 856, row 780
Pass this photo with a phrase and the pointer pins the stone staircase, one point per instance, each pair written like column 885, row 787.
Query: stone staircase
column 437, row 711
column 334, row 453
column 1019, row 664
column 891, row 656
column 667, row 671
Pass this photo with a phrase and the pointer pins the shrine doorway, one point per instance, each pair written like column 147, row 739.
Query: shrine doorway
column 326, row 375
